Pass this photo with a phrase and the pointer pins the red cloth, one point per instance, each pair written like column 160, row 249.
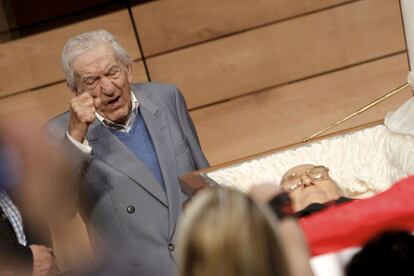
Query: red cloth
column 354, row 223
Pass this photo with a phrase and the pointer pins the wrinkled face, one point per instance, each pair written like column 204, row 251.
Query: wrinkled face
column 99, row 73
column 307, row 184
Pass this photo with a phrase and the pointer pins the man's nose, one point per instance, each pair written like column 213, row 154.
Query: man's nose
column 107, row 86
column 306, row 180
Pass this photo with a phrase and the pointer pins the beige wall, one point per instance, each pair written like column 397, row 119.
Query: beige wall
column 256, row 75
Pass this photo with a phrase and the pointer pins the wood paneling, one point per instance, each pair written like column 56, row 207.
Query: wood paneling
column 281, row 116
column 35, row 61
column 282, row 52
column 32, row 12
column 37, row 106
column 276, row 45
column 41, row 105
column 4, row 22
column 167, row 25
column 138, row 72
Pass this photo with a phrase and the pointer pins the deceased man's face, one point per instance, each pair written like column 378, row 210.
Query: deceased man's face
column 307, row 184
column 99, row 73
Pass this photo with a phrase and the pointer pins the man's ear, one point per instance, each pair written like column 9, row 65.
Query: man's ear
column 74, row 90
column 129, row 72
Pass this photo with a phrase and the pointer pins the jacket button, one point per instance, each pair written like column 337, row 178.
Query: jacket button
column 130, row 209
column 171, row 247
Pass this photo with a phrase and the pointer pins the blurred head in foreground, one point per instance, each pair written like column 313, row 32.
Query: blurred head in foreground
column 391, row 253
column 225, row 233
column 35, row 181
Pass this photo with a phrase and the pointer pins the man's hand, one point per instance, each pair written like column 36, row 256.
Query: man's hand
column 82, row 114
column 43, row 261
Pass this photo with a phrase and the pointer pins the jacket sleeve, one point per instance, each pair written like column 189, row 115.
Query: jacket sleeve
column 190, row 132
column 354, row 223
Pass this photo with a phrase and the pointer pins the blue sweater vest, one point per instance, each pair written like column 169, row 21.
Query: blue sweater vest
column 140, row 143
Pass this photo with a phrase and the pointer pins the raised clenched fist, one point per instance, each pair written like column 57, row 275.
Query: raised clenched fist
column 82, row 114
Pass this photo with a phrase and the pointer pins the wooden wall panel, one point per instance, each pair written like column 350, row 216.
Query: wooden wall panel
column 35, row 61
column 168, row 25
column 283, row 52
column 138, row 72
column 281, row 116
column 41, row 105
column 4, row 24
column 37, row 106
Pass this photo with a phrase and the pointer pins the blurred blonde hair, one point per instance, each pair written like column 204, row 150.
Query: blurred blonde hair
column 225, row 233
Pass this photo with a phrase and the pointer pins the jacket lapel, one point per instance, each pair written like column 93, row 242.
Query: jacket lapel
column 156, row 122
column 113, row 152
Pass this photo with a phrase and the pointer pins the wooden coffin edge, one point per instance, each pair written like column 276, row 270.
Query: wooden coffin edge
column 194, row 181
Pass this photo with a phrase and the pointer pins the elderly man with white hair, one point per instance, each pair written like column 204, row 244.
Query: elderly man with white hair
column 131, row 142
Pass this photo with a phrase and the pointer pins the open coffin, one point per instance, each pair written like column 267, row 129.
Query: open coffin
column 363, row 161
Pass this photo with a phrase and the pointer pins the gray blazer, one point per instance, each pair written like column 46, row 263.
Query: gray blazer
column 128, row 214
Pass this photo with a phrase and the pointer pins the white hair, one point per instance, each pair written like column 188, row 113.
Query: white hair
column 80, row 44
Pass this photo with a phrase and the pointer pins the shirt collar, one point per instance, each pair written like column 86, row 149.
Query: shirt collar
column 129, row 122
